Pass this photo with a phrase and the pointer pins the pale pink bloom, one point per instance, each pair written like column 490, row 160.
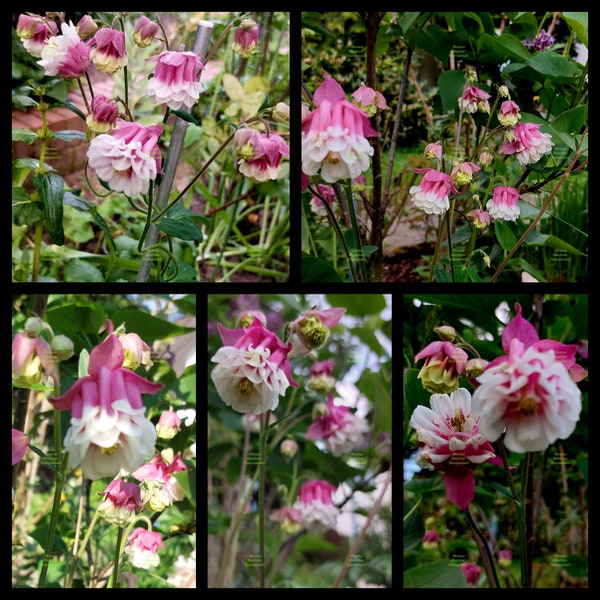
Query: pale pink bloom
column 246, row 317
column 431, row 539
column 144, row 31
column 528, row 142
column 444, row 364
column 328, row 193
column 369, row 100
column 505, row 558
column 281, row 113
column 472, row 572
column 33, row 361
column 65, row 55
column 485, row 158
column 142, row 547
column 245, row 38
column 288, row 449
column 35, row 32
column 128, row 157
column 315, row 503
column 103, row 115
column 334, row 136
column 252, row 369
column 462, row 173
column 86, row 27
column 108, row 53
column 342, row 430
column 529, row 393
column 175, row 82
column 109, row 433
column 320, row 378
column 481, row 218
column 169, row 424
column 121, row 501
column 450, row 440
column 290, row 519
column 474, row 99
column 136, row 352
column 184, row 568
column 312, row 329
column 434, row 150
column 504, row 203
column 432, row 194
column 265, row 161
column 159, row 488
column 20, row 444
column 509, row 113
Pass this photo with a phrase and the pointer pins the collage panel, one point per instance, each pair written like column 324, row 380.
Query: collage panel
column 496, row 428
column 103, row 440
column 443, row 147
column 151, row 147
column 299, row 441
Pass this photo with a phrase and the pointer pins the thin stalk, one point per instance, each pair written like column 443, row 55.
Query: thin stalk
column 114, row 583
column 264, row 420
column 484, row 549
column 359, row 253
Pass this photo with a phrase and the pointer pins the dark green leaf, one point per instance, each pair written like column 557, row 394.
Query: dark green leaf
column 51, row 188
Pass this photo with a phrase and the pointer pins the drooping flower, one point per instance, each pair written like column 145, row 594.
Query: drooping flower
column 252, row 369
column 108, row 52
column 509, row 113
column 121, row 501
column 434, row 150
column 103, row 115
column 260, row 154
column 505, row 558
column 312, row 329
column 432, row 194
column 504, row 203
column 35, row 33
column 474, row 99
column 175, row 81
column 444, row 363
column 245, row 38
column 529, row 393
column 136, row 351
column 328, row 193
column 334, row 135
column 320, row 378
column 431, row 539
column 450, row 440
column 481, row 218
column 342, row 430
column 65, row 55
column 315, row 502
column 142, row 548
column 290, row 519
column 462, row 172
column 369, row 100
column 184, row 571
column 109, row 433
column 159, row 487
column 33, row 361
column 144, row 32
column 169, row 424
column 20, row 443
column 472, row 572
column 528, row 142
column 86, row 27
column 128, row 157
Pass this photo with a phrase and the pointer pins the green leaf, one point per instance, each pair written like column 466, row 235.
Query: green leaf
column 438, row 574
column 24, row 135
column 505, row 236
column 451, row 85
column 184, row 228
column 68, row 135
column 578, row 22
column 186, row 116
column 554, row 66
column 69, row 105
column 51, row 188
column 147, row 326
column 316, row 269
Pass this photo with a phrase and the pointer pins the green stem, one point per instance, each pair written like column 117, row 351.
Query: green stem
column 486, row 554
column 114, row 583
column 359, row 253
column 523, row 533
column 264, row 420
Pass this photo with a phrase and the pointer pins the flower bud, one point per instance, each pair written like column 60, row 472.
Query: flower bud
column 446, row 332
column 62, row 346
column 281, row 113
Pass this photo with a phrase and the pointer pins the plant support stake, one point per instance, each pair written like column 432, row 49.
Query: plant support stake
column 200, row 47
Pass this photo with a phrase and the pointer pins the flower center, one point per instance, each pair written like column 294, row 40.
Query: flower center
column 245, row 386
column 528, row 406
column 110, row 450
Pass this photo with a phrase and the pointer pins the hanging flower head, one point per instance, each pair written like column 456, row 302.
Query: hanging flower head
column 312, row 328
column 128, row 157
column 444, row 363
column 144, row 32
column 252, row 369
column 504, row 203
column 432, row 194
column 528, row 142
column 103, row 116
column 121, row 501
column 108, row 50
column 109, row 433
column 530, row 392
column 451, row 442
column 317, row 510
column 142, row 547
column 245, row 38
column 334, row 135
column 65, row 55
column 35, row 31
column 20, row 443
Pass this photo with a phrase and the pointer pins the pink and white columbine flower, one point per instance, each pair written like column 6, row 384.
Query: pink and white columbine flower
column 317, row 511
column 175, row 82
column 432, row 194
column 530, row 392
column 169, row 425
column 128, row 157
column 528, row 142
column 142, row 547
column 103, row 115
column 159, row 488
column 108, row 50
column 450, row 440
column 369, row 100
column 66, row 55
column 320, row 378
column 342, row 430
column 472, row 572
column 121, row 501
column 144, row 32
column 33, row 361
column 334, row 135
column 252, row 369
column 444, row 364
column 504, row 203
column 35, row 32
column 109, row 433
column 509, row 113
column 434, row 150
column 474, row 99
column 462, row 172
column 245, row 38
column 267, row 151
column 20, row 443
column 136, row 351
